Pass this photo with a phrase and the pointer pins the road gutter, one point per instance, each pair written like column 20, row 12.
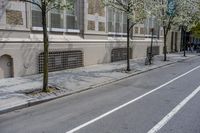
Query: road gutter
column 33, row 102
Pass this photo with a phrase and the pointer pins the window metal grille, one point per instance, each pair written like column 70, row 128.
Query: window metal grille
column 155, row 50
column 36, row 18
column 117, row 27
column 59, row 19
column 124, row 28
column 110, row 27
column 142, row 30
column 119, row 54
column 56, row 20
column 91, row 25
column 61, row 60
column 71, row 22
column 118, row 21
column 101, row 26
column 110, row 20
column 136, row 30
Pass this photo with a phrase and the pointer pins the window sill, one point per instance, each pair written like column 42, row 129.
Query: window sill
column 73, row 30
column 114, row 33
column 38, row 29
column 14, row 28
column 57, row 30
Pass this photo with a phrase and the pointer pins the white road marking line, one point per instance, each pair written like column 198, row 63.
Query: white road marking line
column 170, row 115
column 130, row 102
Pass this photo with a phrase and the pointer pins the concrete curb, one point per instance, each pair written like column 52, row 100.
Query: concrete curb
column 39, row 101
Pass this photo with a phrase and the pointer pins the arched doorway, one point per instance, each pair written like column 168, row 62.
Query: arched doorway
column 6, row 66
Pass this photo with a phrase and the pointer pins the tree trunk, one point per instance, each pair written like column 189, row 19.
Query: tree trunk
column 46, row 48
column 128, row 48
column 172, row 42
column 165, row 44
column 182, row 47
column 184, row 42
column 176, row 47
column 151, row 46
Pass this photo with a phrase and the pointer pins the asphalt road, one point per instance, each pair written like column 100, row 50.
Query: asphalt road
column 165, row 100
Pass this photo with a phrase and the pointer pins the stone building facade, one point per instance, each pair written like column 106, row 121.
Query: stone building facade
column 87, row 35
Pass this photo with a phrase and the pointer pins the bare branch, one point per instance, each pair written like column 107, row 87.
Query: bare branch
column 122, row 4
column 116, row 7
column 53, row 7
column 60, row 5
column 132, row 26
column 34, row 3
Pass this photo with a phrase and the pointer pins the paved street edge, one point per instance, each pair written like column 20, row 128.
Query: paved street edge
column 35, row 102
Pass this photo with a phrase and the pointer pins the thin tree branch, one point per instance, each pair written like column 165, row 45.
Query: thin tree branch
column 54, row 7
column 38, row 5
column 169, row 24
column 132, row 26
column 115, row 7
column 121, row 4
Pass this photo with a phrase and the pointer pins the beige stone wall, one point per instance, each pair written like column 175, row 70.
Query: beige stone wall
column 140, row 47
column 25, row 54
column 24, row 43
column 24, row 57
column 169, row 40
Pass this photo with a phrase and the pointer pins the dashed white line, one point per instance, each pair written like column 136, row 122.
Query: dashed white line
column 130, row 102
column 170, row 115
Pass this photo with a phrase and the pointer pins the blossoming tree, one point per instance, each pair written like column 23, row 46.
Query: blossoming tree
column 135, row 11
column 171, row 13
column 45, row 6
column 186, row 17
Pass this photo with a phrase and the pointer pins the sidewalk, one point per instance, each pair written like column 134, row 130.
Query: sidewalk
column 16, row 93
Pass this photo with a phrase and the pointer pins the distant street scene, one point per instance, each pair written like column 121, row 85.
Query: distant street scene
column 99, row 66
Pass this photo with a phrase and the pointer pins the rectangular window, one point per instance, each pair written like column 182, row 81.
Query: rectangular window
column 136, row 30
column 101, row 26
column 101, row 11
column 91, row 25
column 161, row 32
column 57, row 20
column 96, row 6
column 71, row 22
column 36, row 16
column 110, row 27
column 117, row 27
column 110, row 20
column 100, row 8
column 118, row 20
column 71, row 17
column 14, row 17
column 91, row 7
column 124, row 28
column 124, row 23
column 142, row 30
column 2, row 9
